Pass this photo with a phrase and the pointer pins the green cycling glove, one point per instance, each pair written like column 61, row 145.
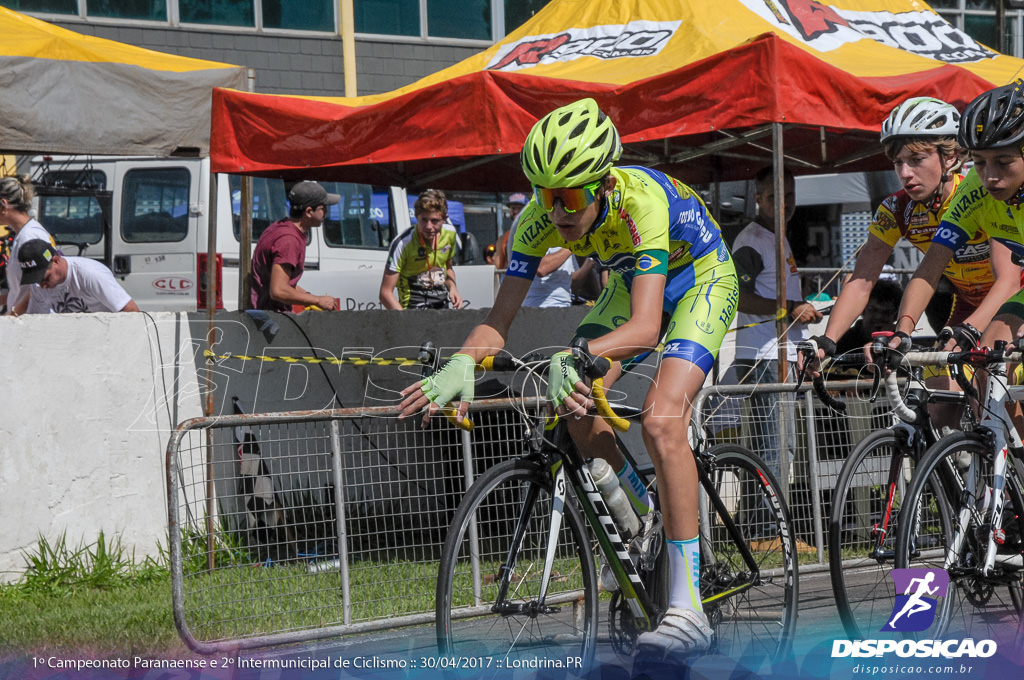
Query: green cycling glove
column 455, row 381
column 562, row 377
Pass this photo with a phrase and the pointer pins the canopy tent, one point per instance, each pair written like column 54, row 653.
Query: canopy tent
column 63, row 92
column 681, row 80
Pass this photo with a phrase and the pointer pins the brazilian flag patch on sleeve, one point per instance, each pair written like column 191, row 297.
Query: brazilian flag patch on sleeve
column 652, row 262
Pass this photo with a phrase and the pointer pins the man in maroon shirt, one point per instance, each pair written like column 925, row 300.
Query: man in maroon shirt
column 280, row 255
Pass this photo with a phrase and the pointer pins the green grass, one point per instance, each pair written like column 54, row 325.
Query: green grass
column 93, row 599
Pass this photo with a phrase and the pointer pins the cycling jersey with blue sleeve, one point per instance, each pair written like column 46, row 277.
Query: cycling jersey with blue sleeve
column 648, row 217
column 972, row 208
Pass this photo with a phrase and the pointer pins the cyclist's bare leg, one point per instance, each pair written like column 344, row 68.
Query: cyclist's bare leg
column 667, row 412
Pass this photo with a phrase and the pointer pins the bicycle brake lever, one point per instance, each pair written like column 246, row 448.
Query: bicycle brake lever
column 591, row 366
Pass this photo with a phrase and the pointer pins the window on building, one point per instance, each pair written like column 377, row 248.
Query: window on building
column 976, row 18
column 51, row 6
column 459, row 19
column 387, row 17
column 217, row 12
column 154, row 10
column 517, row 12
column 308, row 15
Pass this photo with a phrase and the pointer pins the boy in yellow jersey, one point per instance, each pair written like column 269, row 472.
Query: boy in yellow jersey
column 629, row 219
column 989, row 199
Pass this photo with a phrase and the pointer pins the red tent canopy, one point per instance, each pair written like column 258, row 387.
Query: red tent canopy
column 709, row 118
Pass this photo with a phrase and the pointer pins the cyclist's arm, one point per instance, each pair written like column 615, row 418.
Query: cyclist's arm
column 640, row 333
column 922, row 287
column 854, row 298
column 1007, row 282
column 453, row 290
column 387, row 291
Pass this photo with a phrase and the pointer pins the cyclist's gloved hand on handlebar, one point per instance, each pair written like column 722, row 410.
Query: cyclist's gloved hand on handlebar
column 562, row 377
column 824, row 345
column 900, row 342
column 812, row 351
column 965, row 335
column 454, row 382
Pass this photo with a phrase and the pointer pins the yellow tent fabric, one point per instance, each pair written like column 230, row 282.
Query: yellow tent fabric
column 673, row 76
column 606, row 41
column 63, row 92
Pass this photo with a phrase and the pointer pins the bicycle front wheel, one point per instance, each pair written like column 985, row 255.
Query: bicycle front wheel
column 751, row 602
column 975, row 605
column 863, row 525
column 490, row 577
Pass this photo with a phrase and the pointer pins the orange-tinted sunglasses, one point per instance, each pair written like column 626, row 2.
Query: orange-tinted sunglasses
column 573, row 198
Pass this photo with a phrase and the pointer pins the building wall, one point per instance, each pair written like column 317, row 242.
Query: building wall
column 292, row 64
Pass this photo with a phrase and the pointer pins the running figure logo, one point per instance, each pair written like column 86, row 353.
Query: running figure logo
column 914, row 610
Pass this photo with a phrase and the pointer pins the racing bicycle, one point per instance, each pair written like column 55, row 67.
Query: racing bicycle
column 872, row 485
column 973, row 482
column 518, row 578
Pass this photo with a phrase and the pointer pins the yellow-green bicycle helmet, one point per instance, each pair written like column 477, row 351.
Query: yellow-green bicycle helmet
column 571, row 146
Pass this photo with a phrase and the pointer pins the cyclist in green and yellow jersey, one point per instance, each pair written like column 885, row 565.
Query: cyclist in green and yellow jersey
column 671, row 271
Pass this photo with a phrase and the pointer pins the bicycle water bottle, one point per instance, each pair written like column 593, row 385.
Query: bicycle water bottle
column 615, row 498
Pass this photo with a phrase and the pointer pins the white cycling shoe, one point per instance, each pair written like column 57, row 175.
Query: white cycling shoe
column 681, row 632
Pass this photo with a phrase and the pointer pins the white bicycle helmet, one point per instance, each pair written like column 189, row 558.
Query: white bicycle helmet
column 922, row 117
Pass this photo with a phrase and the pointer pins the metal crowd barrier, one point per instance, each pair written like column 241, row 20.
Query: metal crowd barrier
column 271, row 542
column 818, row 442
column 304, row 525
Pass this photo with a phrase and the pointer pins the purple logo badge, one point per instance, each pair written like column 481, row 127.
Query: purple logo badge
column 917, row 591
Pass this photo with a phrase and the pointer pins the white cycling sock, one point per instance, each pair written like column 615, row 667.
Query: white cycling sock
column 635, row 490
column 684, row 574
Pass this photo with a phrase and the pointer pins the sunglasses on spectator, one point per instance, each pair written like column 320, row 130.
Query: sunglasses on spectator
column 573, row 198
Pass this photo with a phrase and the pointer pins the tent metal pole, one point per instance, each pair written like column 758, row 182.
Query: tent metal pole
column 781, row 318
column 245, row 228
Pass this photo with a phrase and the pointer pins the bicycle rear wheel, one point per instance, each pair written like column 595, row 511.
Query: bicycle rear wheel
column 753, row 608
column 862, row 531
column 977, row 606
column 474, row 619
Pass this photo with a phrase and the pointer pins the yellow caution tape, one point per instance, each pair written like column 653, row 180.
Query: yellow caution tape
column 332, row 361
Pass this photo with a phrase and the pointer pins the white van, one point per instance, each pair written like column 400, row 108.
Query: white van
column 147, row 219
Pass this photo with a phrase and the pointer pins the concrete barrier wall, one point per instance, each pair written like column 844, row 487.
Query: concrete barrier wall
column 85, row 414
column 90, row 400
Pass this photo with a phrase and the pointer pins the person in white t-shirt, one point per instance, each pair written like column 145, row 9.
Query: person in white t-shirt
column 69, row 284
column 15, row 202
column 757, row 342
column 553, row 285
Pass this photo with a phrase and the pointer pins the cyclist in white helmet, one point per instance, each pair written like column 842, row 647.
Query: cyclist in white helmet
column 630, row 219
column 920, row 138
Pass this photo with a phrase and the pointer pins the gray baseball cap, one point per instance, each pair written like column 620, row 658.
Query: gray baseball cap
column 309, row 195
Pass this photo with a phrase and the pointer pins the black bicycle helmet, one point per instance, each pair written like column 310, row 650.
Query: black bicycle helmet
column 994, row 118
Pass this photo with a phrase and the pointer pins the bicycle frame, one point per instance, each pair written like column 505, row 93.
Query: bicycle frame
column 1003, row 435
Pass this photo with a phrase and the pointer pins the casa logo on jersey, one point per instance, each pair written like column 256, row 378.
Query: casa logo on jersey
column 825, row 28
column 635, row 39
column 915, row 608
